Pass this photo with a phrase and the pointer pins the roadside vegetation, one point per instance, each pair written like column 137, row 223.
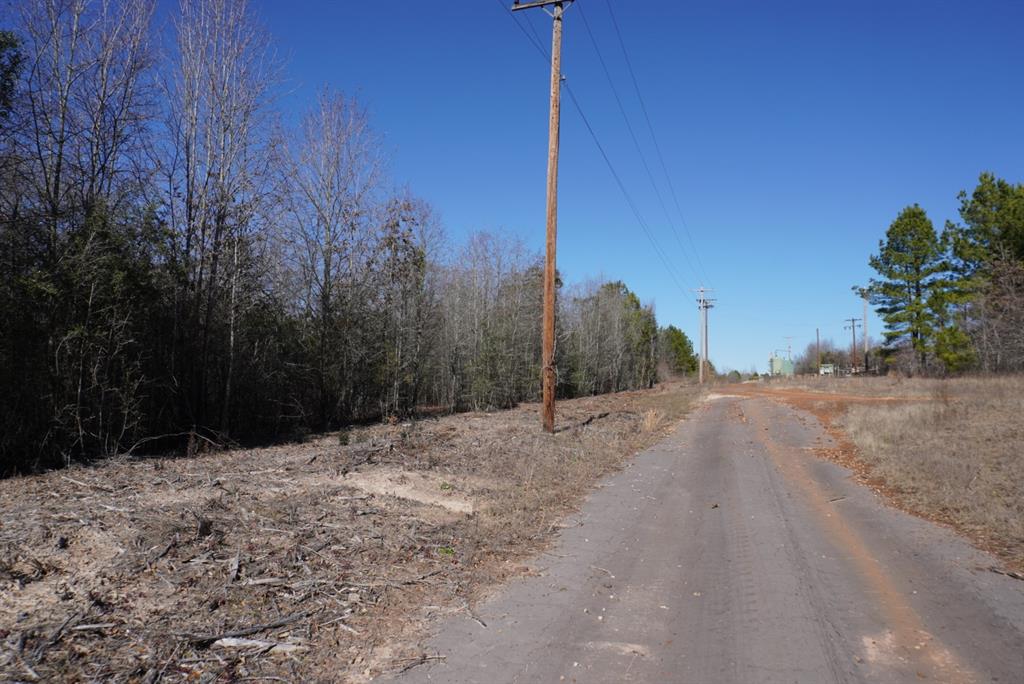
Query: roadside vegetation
column 307, row 562
column 948, row 449
column 955, row 457
column 179, row 267
column 953, row 301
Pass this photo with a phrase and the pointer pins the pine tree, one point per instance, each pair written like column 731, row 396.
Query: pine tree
column 993, row 226
column 988, row 257
column 909, row 294
column 677, row 350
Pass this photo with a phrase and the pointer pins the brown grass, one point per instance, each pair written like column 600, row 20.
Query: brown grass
column 958, row 458
column 864, row 386
column 132, row 570
column 651, row 420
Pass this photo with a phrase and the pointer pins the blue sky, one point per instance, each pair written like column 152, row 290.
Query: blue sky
column 793, row 133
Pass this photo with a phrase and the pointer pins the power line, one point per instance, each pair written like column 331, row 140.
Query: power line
column 622, row 188
column 533, row 29
column 654, row 138
column 534, row 39
column 636, row 143
column 604, row 155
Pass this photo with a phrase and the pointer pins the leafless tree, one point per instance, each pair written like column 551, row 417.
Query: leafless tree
column 85, row 105
column 217, row 172
column 218, row 274
column 333, row 175
column 89, row 100
column 997, row 317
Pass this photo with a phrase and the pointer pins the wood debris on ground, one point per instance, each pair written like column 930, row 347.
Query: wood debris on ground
column 306, row 562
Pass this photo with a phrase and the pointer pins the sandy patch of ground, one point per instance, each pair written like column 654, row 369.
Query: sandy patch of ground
column 428, row 489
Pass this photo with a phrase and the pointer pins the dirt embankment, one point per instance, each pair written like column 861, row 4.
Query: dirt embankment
column 949, row 450
column 310, row 562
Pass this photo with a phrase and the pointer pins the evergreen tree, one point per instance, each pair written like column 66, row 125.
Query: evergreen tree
column 988, row 257
column 677, row 350
column 992, row 229
column 909, row 295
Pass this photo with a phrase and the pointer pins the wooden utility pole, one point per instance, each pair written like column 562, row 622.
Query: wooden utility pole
column 707, row 346
column 817, row 347
column 853, row 350
column 703, row 303
column 700, row 364
column 864, row 333
column 548, row 351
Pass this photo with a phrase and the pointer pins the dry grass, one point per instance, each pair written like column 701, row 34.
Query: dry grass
column 866, row 386
column 651, row 420
column 958, row 458
column 310, row 562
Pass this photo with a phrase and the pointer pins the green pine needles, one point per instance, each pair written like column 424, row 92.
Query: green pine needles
column 950, row 301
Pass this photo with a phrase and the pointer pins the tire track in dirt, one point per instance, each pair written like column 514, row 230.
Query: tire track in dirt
column 906, row 640
column 810, row 579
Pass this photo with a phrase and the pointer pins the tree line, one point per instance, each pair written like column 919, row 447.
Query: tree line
column 953, row 300
column 179, row 267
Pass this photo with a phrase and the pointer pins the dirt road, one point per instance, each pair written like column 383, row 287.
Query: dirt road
column 730, row 553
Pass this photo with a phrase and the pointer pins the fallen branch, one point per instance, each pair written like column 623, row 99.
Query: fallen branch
column 190, row 434
column 584, row 423
column 339, row 622
column 102, row 488
column 93, row 627
column 201, row 639
column 398, row 584
column 1009, row 573
column 591, row 419
column 55, row 636
column 260, row 646
column 473, row 616
column 170, row 545
column 417, row 661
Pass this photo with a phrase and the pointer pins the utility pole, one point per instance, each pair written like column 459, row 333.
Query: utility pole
column 853, row 350
column 703, row 304
column 700, row 307
column 789, row 346
column 864, row 333
column 707, row 348
column 548, row 350
column 817, row 347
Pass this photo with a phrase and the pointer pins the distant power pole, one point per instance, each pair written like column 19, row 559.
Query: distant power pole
column 789, row 346
column 853, row 350
column 548, row 350
column 700, row 307
column 817, row 347
column 864, row 333
column 703, row 304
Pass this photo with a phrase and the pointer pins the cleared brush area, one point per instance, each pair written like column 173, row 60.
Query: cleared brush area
column 958, row 458
column 320, row 561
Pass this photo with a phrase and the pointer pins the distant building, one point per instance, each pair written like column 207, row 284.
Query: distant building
column 827, row 369
column 780, row 367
